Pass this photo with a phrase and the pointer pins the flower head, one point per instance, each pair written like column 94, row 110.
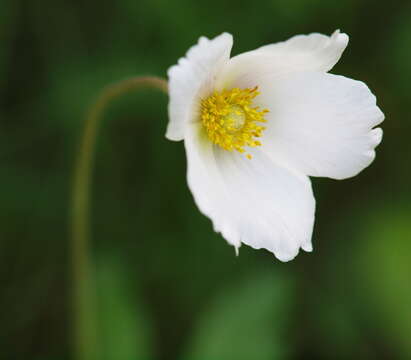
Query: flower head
column 257, row 125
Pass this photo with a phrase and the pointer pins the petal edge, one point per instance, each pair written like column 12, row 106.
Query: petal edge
column 194, row 73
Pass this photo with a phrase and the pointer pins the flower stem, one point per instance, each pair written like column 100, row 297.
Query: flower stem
column 84, row 307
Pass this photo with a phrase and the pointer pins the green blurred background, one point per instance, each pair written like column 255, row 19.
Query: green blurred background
column 167, row 287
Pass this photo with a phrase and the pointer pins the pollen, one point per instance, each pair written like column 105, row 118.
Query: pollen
column 231, row 121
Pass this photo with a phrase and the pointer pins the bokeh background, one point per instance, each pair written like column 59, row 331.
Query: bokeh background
column 166, row 286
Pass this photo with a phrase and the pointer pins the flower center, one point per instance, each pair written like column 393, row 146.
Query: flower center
column 231, row 121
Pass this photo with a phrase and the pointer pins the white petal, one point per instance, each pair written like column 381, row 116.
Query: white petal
column 255, row 202
column 193, row 75
column 313, row 52
column 320, row 124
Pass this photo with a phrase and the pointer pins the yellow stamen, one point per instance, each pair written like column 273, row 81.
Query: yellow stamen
column 231, row 121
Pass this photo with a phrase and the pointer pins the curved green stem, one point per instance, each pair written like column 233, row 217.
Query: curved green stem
column 84, row 326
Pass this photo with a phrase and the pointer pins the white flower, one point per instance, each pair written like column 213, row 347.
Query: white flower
column 255, row 126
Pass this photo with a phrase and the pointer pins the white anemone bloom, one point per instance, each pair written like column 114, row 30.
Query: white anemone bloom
column 257, row 125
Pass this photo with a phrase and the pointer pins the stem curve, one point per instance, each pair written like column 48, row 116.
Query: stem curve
column 84, row 326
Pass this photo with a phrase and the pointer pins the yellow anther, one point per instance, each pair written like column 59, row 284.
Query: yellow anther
column 231, row 121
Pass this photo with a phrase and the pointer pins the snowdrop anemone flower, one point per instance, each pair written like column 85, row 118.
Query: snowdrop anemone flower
column 257, row 125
